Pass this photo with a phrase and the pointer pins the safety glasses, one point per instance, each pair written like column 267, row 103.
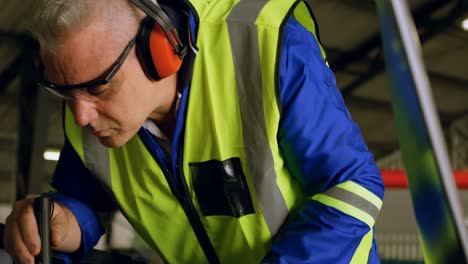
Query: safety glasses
column 90, row 90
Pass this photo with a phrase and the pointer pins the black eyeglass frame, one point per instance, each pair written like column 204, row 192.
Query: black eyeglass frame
column 102, row 79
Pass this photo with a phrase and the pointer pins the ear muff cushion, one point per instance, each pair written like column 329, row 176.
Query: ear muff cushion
column 155, row 51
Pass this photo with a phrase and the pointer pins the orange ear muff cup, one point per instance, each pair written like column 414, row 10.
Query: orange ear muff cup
column 164, row 57
column 155, row 52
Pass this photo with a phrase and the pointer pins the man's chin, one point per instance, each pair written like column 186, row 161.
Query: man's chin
column 112, row 142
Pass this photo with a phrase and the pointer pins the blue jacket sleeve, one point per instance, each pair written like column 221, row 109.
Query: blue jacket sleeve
column 322, row 147
column 80, row 192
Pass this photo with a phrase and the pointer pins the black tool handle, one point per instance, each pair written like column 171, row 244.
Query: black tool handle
column 2, row 227
column 42, row 211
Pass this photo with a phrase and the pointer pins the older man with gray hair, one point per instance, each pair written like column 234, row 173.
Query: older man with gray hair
column 215, row 127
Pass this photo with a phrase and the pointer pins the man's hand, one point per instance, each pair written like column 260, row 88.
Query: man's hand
column 21, row 236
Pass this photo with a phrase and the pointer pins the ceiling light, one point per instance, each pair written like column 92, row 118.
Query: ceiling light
column 51, row 154
column 465, row 24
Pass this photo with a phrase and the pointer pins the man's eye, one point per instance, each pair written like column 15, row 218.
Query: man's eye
column 96, row 90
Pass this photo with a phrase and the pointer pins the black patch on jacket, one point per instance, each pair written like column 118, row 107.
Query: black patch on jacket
column 221, row 188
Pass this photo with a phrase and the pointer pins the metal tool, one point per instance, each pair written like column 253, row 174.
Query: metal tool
column 43, row 213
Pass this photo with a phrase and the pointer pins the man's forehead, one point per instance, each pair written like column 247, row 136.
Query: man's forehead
column 82, row 55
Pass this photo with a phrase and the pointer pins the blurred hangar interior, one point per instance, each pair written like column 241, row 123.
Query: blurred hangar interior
column 31, row 123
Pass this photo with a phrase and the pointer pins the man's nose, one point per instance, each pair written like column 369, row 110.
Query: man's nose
column 83, row 111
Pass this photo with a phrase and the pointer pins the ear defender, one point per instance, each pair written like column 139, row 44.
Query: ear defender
column 158, row 45
column 155, row 51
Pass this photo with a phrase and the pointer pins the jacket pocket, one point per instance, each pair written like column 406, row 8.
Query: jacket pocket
column 221, row 188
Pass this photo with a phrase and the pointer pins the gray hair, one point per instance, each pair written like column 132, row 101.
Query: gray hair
column 54, row 18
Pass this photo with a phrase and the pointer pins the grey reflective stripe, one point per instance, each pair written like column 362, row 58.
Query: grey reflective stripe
column 243, row 36
column 246, row 11
column 354, row 200
column 96, row 157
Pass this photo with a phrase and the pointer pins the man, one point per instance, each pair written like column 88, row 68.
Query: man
column 246, row 153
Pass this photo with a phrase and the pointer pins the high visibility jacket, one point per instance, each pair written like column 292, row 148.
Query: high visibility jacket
column 228, row 189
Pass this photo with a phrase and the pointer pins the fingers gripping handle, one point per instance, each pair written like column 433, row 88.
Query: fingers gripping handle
column 43, row 212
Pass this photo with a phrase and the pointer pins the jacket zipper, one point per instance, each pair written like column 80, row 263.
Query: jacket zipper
column 182, row 195
column 190, row 210
column 192, row 214
column 182, row 192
